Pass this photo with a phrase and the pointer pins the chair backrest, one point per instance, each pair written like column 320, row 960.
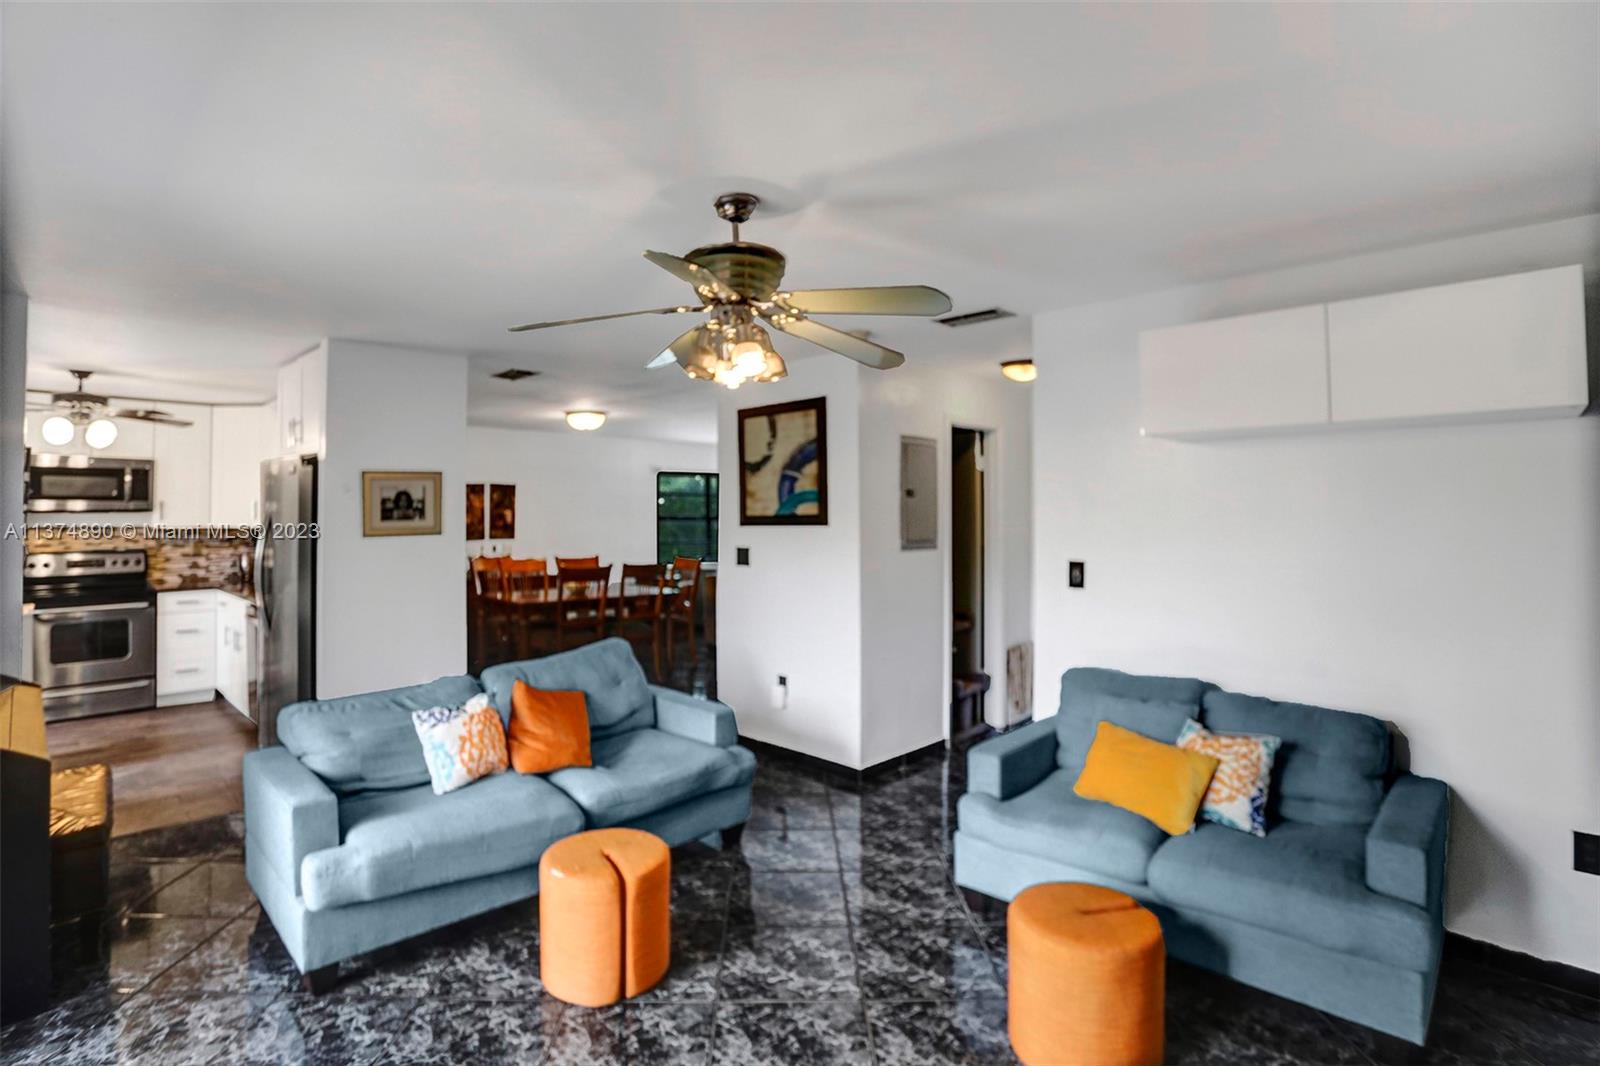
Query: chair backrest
column 486, row 571
column 577, row 562
column 686, row 576
column 642, row 586
column 525, row 575
column 583, row 583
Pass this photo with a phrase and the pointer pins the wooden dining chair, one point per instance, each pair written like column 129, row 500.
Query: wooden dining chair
column 492, row 619
column 638, row 605
column 581, row 601
column 684, row 583
column 577, row 562
column 526, row 585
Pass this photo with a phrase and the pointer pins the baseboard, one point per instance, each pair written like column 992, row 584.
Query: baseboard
column 841, row 773
column 1573, row 979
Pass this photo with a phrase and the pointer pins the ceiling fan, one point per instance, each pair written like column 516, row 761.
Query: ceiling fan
column 93, row 413
column 737, row 284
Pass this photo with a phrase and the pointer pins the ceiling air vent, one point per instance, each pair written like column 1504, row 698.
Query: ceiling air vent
column 972, row 318
column 513, row 374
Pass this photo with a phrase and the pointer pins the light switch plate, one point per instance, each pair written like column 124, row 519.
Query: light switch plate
column 1075, row 575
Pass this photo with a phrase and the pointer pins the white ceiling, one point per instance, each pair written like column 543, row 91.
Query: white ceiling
column 197, row 192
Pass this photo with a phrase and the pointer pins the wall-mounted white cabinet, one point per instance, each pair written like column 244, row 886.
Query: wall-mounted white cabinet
column 302, row 403
column 1507, row 345
column 1253, row 373
column 182, row 484
column 241, row 437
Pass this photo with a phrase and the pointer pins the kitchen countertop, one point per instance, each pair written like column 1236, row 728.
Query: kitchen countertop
column 194, row 584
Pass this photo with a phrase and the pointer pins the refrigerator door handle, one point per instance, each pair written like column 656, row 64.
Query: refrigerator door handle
column 260, row 576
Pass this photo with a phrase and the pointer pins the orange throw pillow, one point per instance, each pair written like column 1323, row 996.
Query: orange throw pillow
column 548, row 730
column 1161, row 782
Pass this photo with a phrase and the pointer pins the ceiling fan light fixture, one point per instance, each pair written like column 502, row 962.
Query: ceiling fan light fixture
column 101, row 433
column 58, row 430
column 586, row 421
column 1019, row 370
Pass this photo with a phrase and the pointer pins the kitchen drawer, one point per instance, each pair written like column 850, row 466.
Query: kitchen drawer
column 198, row 600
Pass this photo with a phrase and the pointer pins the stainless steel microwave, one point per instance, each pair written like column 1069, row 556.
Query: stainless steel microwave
column 89, row 483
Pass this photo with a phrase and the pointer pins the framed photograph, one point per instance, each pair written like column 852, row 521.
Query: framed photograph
column 474, row 512
column 399, row 503
column 783, row 464
column 502, row 512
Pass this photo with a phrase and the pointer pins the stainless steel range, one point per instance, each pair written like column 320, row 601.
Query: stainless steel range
column 94, row 631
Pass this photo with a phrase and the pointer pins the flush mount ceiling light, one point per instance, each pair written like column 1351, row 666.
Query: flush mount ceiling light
column 586, row 421
column 1019, row 369
column 737, row 282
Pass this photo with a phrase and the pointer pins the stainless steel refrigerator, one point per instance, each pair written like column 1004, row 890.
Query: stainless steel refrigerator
column 286, row 588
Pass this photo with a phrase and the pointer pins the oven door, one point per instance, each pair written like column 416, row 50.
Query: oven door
column 75, row 646
column 71, row 483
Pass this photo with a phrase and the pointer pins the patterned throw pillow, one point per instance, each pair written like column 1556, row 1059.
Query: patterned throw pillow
column 461, row 744
column 1237, row 796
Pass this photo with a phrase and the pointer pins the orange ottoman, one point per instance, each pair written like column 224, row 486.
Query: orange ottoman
column 1088, row 978
column 605, row 927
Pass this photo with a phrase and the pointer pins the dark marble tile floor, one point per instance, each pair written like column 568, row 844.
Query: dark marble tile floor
column 834, row 936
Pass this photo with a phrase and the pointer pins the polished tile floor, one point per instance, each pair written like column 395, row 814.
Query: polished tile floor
column 834, row 935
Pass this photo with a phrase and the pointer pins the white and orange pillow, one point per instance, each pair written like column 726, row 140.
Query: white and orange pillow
column 1237, row 795
column 461, row 744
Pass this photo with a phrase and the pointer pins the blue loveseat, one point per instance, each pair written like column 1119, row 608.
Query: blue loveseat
column 1339, row 906
column 349, row 849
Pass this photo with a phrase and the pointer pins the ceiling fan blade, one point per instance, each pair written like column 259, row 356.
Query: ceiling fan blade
column 707, row 284
column 678, row 350
column 881, row 300
column 143, row 414
column 602, row 318
column 862, row 351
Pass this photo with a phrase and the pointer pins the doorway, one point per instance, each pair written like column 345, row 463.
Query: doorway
column 969, row 676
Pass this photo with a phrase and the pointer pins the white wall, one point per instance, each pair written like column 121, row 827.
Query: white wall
column 578, row 493
column 1443, row 577
column 390, row 610
column 796, row 609
column 13, row 404
column 905, row 595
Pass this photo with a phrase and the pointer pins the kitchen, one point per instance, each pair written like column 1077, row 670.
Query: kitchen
column 157, row 622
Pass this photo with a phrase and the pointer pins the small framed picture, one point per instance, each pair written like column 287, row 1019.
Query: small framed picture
column 783, row 468
column 502, row 512
column 474, row 512
column 399, row 503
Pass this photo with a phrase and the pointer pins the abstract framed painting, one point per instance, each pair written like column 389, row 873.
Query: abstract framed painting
column 502, row 512
column 783, row 464
column 474, row 512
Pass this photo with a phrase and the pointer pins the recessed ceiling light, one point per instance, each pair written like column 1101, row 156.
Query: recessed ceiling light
column 586, row 421
column 1019, row 369
column 515, row 374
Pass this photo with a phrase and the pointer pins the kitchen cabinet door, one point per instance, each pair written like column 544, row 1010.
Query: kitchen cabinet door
column 183, row 467
column 241, row 437
column 233, row 652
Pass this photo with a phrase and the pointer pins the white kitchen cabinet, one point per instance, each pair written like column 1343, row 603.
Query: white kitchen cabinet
column 186, row 647
column 135, row 439
column 234, row 651
column 1249, row 374
column 302, row 400
column 241, row 437
column 1507, row 346
column 182, row 484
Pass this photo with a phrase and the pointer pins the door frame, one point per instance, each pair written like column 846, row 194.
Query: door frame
column 994, row 648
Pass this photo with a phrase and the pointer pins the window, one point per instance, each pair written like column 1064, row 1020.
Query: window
column 686, row 516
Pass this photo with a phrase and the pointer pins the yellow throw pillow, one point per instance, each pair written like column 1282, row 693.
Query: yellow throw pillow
column 1161, row 782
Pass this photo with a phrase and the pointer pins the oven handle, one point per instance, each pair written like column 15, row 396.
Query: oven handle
column 87, row 690
column 63, row 612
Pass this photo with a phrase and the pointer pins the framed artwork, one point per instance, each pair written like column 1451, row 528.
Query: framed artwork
column 474, row 512
column 783, row 464
column 502, row 512
column 399, row 503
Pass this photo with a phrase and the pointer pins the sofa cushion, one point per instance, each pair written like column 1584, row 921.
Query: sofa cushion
column 646, row 770
column 1331, row 766
column 402, row 840
column 606, row 672
column 1305, row 881
column 1083, row 680
column 357, row 743
column 1076, row 726
column 1051, row 822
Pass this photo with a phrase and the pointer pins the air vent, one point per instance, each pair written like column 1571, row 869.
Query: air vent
column 972, row 318
column 513, row 374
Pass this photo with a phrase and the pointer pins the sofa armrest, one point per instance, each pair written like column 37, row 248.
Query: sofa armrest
column 1013, row 762
column 1406, row 844
column 288, row 811
column 693, row 718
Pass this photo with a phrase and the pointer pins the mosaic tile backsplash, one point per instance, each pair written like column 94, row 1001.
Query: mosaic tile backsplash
column 189, row 562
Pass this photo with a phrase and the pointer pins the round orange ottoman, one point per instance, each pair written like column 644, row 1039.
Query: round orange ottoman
column 1087, row 980
column 605, row 927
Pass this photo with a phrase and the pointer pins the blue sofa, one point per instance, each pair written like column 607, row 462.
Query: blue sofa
column 349, row 849
column 1339, row 906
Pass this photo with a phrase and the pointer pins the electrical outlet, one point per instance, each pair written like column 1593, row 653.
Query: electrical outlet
column 741, row 556
column 1586, row 852
column 1075, row 575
